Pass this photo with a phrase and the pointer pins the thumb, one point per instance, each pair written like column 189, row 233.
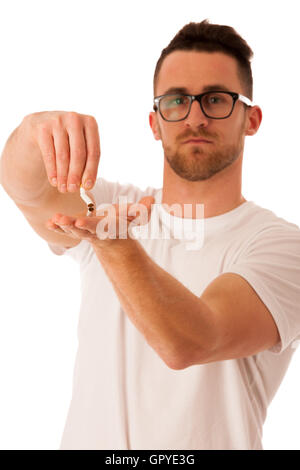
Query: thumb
column 141, row 210
column 147, row 201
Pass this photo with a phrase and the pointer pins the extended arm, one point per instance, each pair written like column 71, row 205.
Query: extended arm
column 228, row 320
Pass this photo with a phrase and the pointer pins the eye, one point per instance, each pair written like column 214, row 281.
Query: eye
column 173, row 101
column 215, row 99
column 176, row 101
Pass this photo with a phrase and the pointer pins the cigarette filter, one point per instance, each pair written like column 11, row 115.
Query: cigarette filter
column 87, row 200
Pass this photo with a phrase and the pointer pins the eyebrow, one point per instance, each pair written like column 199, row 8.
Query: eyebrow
column 215, row 87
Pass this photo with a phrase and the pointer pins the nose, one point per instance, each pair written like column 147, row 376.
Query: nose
column 196, row 118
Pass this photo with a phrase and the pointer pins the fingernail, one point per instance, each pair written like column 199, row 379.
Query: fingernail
column 63, row 188
column 88, row 184
column 54, row 181
column 72, row 187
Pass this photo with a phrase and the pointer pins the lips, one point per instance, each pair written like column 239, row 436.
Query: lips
column 197, row 141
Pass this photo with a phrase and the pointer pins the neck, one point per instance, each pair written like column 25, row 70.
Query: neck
column 219, row 194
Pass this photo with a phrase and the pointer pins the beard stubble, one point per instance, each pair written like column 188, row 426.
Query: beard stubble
column 197, row 163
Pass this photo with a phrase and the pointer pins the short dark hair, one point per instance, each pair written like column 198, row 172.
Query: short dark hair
column 209, row 37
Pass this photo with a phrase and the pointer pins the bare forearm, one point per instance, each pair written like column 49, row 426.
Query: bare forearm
column 174, row 321
column 22, row 172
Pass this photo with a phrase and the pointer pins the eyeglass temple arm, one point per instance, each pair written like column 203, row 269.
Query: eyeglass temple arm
column 245, row 100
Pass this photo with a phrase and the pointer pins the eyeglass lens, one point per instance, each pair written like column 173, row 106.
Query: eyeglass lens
column 215, row 105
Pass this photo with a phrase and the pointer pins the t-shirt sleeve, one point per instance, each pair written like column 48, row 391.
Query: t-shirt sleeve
column 271, row 265
column 104, row 192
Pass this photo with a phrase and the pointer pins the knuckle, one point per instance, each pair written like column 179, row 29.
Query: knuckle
column 56, row 122
column 42, row 128
column 72, row 118
column 91, row 121
column 31, row 118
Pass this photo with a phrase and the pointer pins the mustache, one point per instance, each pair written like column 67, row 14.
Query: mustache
column 199, row 135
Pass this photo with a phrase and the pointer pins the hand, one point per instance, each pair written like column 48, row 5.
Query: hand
column 70, row 146
column 114, row 222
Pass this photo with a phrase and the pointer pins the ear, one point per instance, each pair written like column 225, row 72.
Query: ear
column 153, row 121
column 253, row 121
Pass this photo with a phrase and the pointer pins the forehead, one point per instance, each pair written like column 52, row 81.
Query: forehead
column 195, row 70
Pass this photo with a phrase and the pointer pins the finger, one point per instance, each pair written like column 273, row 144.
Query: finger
column 56, row 228
column 78, row 232
column 142, row 210
column 78, row 155
column 92, row 140
column 46, row 144
column 88, row 223
column 62, row 152
column 147, row 201
column 122, row 210
column 62, row 224
column 61, row 219
column 51, row 225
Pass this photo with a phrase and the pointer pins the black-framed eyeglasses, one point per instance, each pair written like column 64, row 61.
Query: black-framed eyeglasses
column 214, row 104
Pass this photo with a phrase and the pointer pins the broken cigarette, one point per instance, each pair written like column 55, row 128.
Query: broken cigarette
column 87, row 200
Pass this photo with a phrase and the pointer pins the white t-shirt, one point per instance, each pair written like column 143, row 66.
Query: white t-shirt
column 124, row 395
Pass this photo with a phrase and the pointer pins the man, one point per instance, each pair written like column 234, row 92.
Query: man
column 182, row 345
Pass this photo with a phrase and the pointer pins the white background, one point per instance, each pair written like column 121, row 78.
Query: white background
column 98, row 58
